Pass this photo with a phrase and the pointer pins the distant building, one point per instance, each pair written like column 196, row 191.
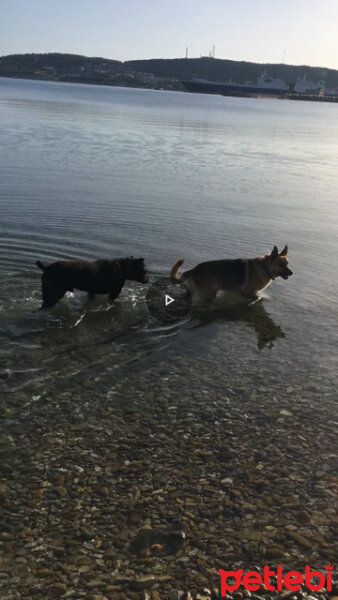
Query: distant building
column 302, row 86
column 266, row 82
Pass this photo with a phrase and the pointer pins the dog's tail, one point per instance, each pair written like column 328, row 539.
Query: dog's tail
column 41, row 265
column 173, row 272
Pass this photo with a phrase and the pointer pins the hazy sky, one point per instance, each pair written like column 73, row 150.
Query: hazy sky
column 253, row 30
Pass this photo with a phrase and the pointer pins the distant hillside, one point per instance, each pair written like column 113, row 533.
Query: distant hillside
column 81, row 69
column 224, row 70
column 154, row 73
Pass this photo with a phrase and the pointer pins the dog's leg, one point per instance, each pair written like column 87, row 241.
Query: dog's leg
column 209, row 298
column 207, row 295
column 50, row 296
column 249, row 295
column 115, row 292
column 51, row 301
column 112, row 296
column 207, row 291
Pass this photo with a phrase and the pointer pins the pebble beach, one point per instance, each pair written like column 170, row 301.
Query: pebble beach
column 116, row 493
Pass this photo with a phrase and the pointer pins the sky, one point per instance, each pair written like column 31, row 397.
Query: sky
column 299, row 32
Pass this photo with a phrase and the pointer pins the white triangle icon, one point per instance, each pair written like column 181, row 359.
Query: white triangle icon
column 168, row 300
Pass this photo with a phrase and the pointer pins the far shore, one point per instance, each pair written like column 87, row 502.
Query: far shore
column 180, row 88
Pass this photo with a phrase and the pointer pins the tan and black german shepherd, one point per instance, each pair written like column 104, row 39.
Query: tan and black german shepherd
column 242, row 276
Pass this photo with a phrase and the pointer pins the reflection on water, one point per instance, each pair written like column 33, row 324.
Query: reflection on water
column 89, row 338
column 254, row 315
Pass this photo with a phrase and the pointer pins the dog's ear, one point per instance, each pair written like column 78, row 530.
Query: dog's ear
column 284, row 251
column 274, row 252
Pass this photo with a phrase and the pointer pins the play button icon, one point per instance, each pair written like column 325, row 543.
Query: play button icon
column 168, row 299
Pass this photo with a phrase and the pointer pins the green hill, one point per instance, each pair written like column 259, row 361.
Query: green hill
column 224, row 70
column 154, row 73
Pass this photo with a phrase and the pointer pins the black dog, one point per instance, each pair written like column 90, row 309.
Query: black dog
column 98, row 277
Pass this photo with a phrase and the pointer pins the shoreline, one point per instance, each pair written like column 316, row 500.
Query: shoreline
column 181, row 88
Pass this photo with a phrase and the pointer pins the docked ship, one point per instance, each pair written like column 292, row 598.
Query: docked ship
column 264, row 85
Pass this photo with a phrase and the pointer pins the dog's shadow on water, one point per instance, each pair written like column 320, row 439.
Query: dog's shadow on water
column 253, row 314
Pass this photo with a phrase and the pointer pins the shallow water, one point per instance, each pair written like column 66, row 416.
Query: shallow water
column 223, row 423
column 92, row 171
